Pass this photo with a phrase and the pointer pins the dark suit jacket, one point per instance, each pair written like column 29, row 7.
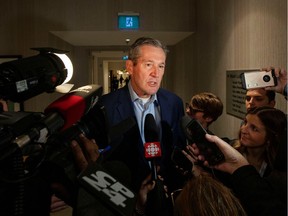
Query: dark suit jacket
column 118, row 106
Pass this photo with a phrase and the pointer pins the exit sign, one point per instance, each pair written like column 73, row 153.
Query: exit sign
column 128, row 20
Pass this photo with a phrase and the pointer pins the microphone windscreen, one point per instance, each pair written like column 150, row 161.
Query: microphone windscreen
column 75, row 104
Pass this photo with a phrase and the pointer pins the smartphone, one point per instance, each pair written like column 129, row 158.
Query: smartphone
column 258, row 79
column 180, row 160
column 195, row 133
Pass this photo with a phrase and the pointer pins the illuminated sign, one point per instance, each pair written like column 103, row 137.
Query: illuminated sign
column 128, row 20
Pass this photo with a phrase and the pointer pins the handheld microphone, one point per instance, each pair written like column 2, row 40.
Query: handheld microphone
column 62, row 113
column 156, row 202
column 152, row 145
column 108, row 183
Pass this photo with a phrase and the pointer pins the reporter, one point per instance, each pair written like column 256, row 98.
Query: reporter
column 259, row 196
column 203, row 195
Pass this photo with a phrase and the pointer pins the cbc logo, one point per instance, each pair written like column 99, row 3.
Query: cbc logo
column 152, row 149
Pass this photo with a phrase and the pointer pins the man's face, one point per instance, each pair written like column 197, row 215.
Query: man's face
column 147, row 74
column 257, row 98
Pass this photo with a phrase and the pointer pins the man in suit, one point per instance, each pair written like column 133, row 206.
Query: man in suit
column 143, row 95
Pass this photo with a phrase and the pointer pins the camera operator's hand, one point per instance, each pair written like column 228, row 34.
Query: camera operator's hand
column 88, row 153
column 233, row 158
column 281, row 75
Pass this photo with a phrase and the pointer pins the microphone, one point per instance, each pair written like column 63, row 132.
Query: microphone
column 72, row 106
column 152, row 147
column 105, row 190
column 62, row 113
column 156, row 201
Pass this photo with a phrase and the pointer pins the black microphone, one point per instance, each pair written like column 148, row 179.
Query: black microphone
column 152, row 145
column 106, row 190
column 156, row 202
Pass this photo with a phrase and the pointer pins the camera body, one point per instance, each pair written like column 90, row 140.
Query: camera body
column 195, row 133
column 258, row 79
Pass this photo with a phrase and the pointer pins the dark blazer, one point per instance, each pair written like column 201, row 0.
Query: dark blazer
column 118, row 107
column 263, row 196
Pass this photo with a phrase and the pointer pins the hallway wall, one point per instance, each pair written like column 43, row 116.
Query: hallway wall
column 230, row 35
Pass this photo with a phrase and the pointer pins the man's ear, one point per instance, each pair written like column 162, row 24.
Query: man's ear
column 129, row 66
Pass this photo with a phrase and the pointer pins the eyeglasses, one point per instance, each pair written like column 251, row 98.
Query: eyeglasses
column 192, row 110
column 174, row 195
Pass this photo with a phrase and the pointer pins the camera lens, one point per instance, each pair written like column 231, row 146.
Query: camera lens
column 266, row 78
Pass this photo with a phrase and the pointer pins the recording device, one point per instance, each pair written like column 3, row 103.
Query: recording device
column 27, row 77
column 45, row 137
column 60, row 114
column 109, row 183
column 181, row 161
column 152, row 147
column 258, row 79
column 195, row 133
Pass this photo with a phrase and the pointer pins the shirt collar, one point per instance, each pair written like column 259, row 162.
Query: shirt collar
column 135, row 97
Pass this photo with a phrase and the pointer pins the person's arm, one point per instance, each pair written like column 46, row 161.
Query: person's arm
column 146, row 186
column 233, row 159
column 257, row 194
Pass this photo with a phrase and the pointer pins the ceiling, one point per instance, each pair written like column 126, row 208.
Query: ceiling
column 116, row 38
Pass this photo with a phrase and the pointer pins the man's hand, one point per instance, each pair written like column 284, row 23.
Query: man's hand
column 57, row 204
column 281, row 75
column 233, row 158
column 88, row 153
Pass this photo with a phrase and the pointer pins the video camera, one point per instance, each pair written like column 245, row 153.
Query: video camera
column 47, row 134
